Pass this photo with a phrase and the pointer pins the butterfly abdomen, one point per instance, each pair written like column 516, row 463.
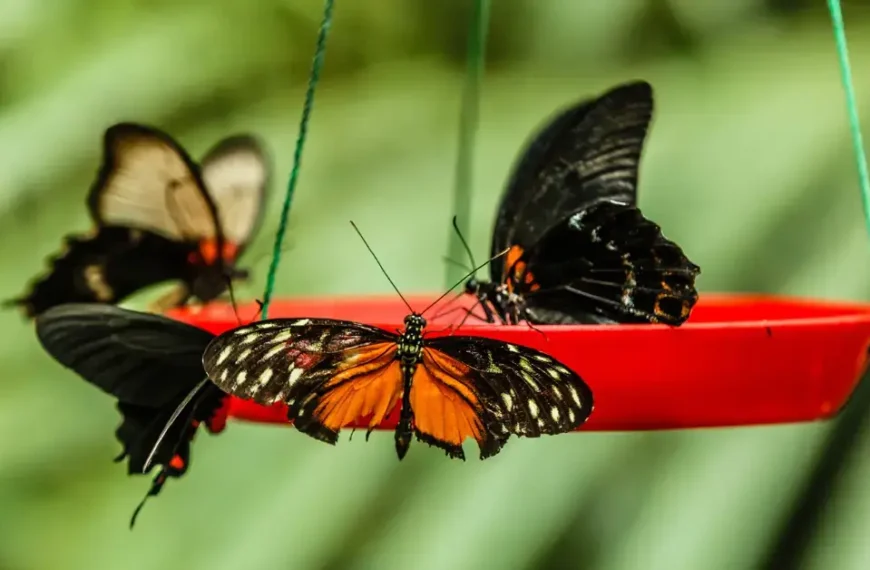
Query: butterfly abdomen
column 409, row 353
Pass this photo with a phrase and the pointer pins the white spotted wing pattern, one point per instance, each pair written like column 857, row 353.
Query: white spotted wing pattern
column 333, row 374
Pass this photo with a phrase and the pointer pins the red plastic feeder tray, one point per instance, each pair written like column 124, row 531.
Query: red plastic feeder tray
column 739, row 360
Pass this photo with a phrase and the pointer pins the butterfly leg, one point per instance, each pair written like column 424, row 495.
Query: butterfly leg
column 467, row 312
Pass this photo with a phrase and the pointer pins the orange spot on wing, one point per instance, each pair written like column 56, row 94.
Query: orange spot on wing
column 208, row 251
column 369, row 384
column 515, row 270
column 177, row 462
column 444, row 406
column 512, row 256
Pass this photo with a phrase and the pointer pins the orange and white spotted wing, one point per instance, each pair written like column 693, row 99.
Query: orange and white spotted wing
column 332, row 374
column 512, row 390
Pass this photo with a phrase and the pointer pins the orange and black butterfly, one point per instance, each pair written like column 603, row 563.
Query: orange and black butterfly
column 332, row 373
column 152, row 365
column 158, row 216
column 580, row 251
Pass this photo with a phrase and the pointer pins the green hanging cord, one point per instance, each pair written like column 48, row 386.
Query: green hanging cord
column 851, row 105
column 314, row 77
column 477, row 32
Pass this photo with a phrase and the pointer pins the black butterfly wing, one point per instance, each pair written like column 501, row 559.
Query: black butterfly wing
column 511, row 389
column 589, row 153
column 237, row 172
column 149, row 182
column 149, row 363
column 605, row 264
column 329, row 372
column 107, row 268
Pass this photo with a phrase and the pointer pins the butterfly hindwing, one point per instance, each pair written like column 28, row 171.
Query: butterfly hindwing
column 236, row 173
column 328, row 372
column 106, row 268
column 511, row 389
column 588, row 153
column 605, row 264
column 149, row 363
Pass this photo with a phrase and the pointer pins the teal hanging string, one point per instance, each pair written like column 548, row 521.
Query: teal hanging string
column 313, row 78
column 851, row 105
column 477, row 33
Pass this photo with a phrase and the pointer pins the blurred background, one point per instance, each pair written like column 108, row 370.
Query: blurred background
column 748, row 166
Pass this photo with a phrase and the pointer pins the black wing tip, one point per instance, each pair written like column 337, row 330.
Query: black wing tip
column 452, row 451
column 492, row 446
column 126, row 128
column 315, row 429
column 637, row 88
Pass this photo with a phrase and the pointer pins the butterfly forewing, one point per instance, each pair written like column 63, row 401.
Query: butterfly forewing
column 587, row 154
column 328, row 372
column 149, row 363
column 513, row 390
column 140, row 358
column 148, row 181
column 236, row 172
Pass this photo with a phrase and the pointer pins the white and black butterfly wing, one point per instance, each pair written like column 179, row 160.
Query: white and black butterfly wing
column 147, row 181
column 236, row 173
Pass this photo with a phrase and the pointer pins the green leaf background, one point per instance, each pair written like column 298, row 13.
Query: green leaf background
column 749, row 166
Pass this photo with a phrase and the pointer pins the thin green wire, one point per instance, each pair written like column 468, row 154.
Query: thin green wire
column 314, row 77
column 477, row 33
column 851, row 105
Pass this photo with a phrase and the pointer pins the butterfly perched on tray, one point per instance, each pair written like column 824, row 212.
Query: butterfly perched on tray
column 580, row 251
column 158, row 216
column 150, row 364
column 332, row 374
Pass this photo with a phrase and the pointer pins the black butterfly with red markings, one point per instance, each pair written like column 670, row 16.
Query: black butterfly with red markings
column 333, row 373
column 580, row 251
column 158, row 216
column 150, row 364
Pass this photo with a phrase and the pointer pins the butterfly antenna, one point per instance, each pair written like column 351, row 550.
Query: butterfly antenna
column 462, row 239
column 384, row 271
column 461, row 281
column 172, row 419
column 452, row 261
column 233, row 299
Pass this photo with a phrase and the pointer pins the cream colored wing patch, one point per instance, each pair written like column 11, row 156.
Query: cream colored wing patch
column 236, row 172
column 147, row 181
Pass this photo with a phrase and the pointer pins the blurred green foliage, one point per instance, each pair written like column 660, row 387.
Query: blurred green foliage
column 748, row 166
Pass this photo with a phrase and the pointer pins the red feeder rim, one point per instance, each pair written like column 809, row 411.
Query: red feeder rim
column 739, row 360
